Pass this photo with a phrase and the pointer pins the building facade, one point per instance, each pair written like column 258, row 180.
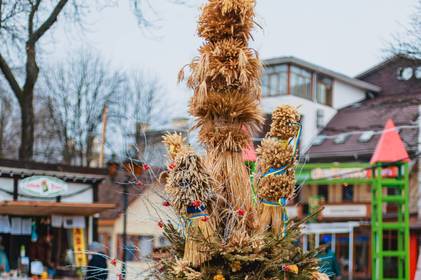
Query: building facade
column 318, row 92
column 48, row 217
column 351, row 137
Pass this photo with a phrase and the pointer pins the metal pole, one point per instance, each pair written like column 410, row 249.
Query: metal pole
column 351, row 253
column 406, row 219
column 125, row 205
column 333, row 245
column 305, row 242
column 103, row 135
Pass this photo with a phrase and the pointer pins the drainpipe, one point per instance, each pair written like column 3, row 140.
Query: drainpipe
column 419, row 165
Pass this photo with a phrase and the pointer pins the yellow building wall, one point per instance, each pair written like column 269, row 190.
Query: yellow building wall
column 143, row 216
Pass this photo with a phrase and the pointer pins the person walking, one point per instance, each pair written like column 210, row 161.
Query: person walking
column 97, row 266
column 328, row 263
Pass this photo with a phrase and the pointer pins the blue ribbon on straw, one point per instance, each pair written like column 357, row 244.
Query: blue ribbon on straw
column 275, row 171
column 193, row 209
column 198, row 216
column 282, row 202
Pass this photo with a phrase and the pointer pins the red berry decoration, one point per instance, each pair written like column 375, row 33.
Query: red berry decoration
column 241, row 212
column 146, row 167
column 166, row 203
column 161, row 224
column 196, row 203
column 171, row 166
column 114, row 262
column 205, row 219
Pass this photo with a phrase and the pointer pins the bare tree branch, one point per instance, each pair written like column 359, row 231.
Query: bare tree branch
column 10, row 78
column 78, row 90
column 52, row 18
column 409, row 42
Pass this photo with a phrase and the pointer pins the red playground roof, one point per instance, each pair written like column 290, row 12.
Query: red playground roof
column 249, row 154
column 390, row 147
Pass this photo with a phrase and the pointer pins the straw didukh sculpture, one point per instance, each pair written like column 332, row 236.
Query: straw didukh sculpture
column 224, row 235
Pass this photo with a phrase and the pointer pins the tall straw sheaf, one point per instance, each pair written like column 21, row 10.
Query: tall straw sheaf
column 227, row 241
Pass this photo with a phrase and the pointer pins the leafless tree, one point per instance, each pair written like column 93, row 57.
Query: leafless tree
column 147, row 101
column 9, row 134
column 22, row 25
column 145, row 110
column 77, row 92
column 409, row 42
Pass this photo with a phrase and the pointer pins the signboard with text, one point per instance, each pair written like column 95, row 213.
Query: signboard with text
column 345, row 211
column 349, row 173
column 79, row 247
column 42, row 186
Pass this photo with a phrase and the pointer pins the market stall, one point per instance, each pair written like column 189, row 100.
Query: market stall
column 47, row 218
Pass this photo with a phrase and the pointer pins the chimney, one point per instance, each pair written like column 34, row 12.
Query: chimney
column 180, row 123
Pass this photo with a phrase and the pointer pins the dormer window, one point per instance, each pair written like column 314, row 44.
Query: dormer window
column 341, row 138
column 405, row 73
column 418, row 72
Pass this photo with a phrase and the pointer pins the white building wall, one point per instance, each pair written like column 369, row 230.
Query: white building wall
column 6, row 185
column 86, row 196
column 144, row 214
column 345, row 95
column 307, row 108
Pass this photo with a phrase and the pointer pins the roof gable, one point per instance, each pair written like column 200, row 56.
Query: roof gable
column 387, row 76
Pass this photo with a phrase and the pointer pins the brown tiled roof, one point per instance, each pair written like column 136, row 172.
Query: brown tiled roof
column 370, row 114
column 111, row 191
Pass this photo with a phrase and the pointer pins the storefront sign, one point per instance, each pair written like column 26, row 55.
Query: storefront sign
column 345, row 211
column 79, row 247
column 292, row 211
column 42, row 186
column 358, row 173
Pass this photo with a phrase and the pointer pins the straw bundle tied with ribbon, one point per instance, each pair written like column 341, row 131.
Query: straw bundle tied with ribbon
column 277, row 156
column 190, row 188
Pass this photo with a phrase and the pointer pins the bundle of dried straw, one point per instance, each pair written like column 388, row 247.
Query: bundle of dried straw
column 225, row 79
column 191, row 191
column 277, row 158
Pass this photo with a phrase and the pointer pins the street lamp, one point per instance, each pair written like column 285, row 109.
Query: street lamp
column 133, row 171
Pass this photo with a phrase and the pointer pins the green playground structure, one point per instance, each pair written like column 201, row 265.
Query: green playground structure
column 352, row 173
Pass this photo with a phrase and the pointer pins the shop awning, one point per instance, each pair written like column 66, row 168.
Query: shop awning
column 44, row 208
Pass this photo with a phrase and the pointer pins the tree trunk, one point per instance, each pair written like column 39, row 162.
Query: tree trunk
column 26, row 149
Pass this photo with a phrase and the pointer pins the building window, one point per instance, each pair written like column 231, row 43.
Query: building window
column 348, row 193
column 323, row 193
column 418, row 73
column 320, row 118
column 366, row 136
column 341, row 138
column 275, row 80
column 324, row 88
column 139, row 247
column 301, row 82
column 105, row 239
column 146, row 246
column 318, row 140
column 405, row 73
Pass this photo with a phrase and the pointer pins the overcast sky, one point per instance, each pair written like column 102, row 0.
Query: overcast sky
column 347, row 36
